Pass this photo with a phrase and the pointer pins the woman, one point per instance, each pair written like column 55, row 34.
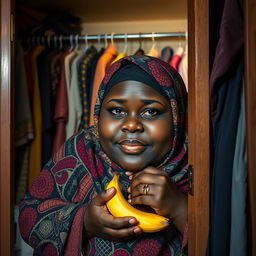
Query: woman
column 140, row 131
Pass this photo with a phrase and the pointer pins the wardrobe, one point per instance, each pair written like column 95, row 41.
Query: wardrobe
column 190, row 16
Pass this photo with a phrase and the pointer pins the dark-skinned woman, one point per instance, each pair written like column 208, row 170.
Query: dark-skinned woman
column 140, row 131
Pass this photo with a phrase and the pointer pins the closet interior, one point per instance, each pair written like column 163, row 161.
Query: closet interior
column 135, row 27
column 130, row 26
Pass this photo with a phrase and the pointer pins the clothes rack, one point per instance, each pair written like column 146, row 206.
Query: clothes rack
column 110, row 36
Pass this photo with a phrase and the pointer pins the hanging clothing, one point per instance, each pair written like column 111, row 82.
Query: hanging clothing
column 23, row 125
column 48, row 128
column 167, row 54
column 93, row 65
column 74, row 104
column 84, row 82
column 102, row 66
column 23, row 116
column 139, row 52
column 153, row 52
column 183, row 67
column 225, row 87
column 119, row 56
column 224, row 135
column 61, row 107
column 228, row 49
column 238, row 233
column 35, row 154
column 52, row 214
column 176, row 59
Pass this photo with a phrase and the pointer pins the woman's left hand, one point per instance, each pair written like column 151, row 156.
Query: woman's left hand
column 163, row 196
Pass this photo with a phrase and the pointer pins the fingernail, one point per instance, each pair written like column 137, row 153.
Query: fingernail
column 136, row 230
column 129, row 200
column 130, row 177
column 129, row 189
column 110, row 190
column 132, row 221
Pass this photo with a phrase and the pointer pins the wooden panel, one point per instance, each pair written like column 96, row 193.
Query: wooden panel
column 112, row 10
column 198, row 123
column 250, row 93
column 5, row 131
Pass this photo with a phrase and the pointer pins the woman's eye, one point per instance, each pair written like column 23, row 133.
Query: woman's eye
column 117, row 112
column 150, row 113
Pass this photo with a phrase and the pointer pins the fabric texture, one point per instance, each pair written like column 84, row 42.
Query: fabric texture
column 229, row 48
column 225, row 132
column 35, row 155
column 183, row 67
column 103, row 64
column 52, row 212
column 239, row 190
column 74, row 104
column 167, row 54
column 61, row 107
column 84, row 83
column 23, row 115
column 176, row 59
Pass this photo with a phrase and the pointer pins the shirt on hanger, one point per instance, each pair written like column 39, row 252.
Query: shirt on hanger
column 102, row 65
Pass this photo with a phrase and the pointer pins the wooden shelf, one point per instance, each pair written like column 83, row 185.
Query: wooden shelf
column 114, row 10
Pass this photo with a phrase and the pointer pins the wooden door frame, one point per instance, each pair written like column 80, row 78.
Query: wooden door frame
column 6, row 209
column 250, row 92
column 199, row 125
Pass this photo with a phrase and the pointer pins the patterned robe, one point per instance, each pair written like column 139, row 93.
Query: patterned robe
column 51, row 216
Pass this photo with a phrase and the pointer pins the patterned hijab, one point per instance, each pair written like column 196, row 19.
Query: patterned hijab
column 171, row 84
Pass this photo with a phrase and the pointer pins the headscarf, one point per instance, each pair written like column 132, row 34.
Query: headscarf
column 167, row 81
column 52, row 213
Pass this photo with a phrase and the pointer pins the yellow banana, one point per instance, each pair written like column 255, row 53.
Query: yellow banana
column 119, row 207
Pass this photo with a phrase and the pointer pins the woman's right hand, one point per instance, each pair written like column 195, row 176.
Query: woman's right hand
column 100, row 223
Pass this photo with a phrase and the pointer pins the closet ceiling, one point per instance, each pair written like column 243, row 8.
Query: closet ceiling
column 114, row 10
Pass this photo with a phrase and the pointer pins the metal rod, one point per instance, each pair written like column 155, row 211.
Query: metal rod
column 116, row 36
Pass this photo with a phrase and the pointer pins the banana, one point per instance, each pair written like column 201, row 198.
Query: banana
column 119, row 207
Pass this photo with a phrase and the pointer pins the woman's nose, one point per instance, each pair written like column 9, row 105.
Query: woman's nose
column 132, row 124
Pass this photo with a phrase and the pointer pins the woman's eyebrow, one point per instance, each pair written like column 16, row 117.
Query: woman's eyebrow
column 145, row 101
column 117, row 100
column 148, row 102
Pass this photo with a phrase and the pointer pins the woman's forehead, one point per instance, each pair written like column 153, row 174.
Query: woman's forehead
column 134, row 89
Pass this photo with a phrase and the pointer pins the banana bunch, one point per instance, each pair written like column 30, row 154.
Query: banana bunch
column 119, row 207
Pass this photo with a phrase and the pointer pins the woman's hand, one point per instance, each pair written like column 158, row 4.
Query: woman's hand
column 99, row 222
column 163, row 196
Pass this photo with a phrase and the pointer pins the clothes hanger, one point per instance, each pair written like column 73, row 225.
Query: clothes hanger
column 85, row 42
column 99, row 42
column 140, row 51
column 76, row 42
column 153, row 41
column 71, row 42
column 125, row 44
column 153, row 52
column 106, row 41
column 112, row 38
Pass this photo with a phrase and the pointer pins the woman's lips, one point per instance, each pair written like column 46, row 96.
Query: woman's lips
column 132, row 147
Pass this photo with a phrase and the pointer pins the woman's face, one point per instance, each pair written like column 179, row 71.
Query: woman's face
column 135, row 126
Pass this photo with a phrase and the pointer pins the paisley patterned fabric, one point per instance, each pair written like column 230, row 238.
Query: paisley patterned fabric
column 52, row 212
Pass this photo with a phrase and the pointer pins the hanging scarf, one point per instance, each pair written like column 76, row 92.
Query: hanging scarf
column 51, row 215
